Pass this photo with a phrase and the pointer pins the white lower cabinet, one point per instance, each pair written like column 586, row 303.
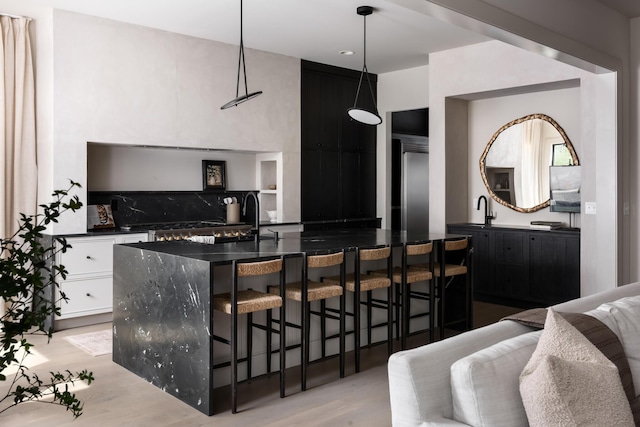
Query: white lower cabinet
column 89, row 282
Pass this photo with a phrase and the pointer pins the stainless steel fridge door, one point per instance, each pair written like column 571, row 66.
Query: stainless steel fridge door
column 415, row 192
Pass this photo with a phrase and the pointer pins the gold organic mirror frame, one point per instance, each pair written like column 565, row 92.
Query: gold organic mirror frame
column 483, row 160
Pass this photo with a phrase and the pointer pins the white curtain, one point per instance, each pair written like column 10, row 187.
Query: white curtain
column 17, row 124
column 532, row 143
column 18, row 173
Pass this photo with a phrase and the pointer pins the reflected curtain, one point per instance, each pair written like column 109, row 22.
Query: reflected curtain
column 18, row 176
column 532, row 185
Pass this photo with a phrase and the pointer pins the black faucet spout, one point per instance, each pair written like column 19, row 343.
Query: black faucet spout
column 487, row 217
column 257, row 216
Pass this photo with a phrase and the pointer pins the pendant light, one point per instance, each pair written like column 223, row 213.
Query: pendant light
column 239, row 99
column 360, row 114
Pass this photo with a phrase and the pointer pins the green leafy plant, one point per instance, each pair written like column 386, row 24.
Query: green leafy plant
column 28, row 275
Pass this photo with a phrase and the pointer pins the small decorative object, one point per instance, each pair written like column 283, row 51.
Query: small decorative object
column 272, row 215
column 214, row 175
column 498, row 186
column 99, row 217
column 272, row 187
column 233, row 213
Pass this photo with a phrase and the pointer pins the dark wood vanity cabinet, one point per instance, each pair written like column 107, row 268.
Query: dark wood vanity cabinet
column 557, row 266
column 338, row 154
column 522, row 267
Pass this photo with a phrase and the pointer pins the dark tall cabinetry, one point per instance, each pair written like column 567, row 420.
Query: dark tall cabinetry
column 523, row 267
column 338, row 154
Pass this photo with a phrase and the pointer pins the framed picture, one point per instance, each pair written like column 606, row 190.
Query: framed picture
column 214, row 174
column 99, row 216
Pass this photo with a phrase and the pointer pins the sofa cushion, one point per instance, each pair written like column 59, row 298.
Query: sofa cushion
column 568, row 381
column 626, row 314
column 483, row 384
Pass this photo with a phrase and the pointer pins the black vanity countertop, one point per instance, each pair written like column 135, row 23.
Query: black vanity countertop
column 289, row 244
column 479, row 226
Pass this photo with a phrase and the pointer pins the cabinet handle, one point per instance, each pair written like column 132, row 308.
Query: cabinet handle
column 88, row 294
column 88, row 256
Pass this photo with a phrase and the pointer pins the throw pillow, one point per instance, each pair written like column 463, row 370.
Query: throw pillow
column 568, row 381
column 483, row 384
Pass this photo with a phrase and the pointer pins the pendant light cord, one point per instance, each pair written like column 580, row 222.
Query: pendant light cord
column 241, row 58
column 241, row 64
column 355, row 112
column 364, row 66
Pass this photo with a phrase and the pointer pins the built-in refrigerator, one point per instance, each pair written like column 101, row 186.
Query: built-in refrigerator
column 415, row 190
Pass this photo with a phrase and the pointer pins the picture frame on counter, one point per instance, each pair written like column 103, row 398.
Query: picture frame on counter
column 214, row 174
column 99, row 217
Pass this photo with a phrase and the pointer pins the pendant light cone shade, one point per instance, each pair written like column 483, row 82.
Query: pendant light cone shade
column 356, row 113
column 239, row 99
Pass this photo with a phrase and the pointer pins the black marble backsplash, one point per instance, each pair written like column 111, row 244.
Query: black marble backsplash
column 136, row 207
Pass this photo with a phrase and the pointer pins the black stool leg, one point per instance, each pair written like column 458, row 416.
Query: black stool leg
column 369, row 316
column 306, row 320
column 356, row 310
column 234, row 342
column 390, row 307
column 342, row 315
column 442, row 284
column 323, row 327
column 249, row 344
column 283, row 331
column 397, row 303
column 406, row 301
column 269, row 330
column 390, row 320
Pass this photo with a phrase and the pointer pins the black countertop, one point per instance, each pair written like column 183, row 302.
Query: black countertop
column 513, row 227
column 289, row 244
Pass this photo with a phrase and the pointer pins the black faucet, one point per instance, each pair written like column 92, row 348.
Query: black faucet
column 487, row 218
column 244, row 212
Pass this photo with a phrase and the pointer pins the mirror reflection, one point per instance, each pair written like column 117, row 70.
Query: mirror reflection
column 515, row 164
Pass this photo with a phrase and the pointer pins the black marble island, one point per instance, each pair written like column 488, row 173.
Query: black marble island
column 162, row 316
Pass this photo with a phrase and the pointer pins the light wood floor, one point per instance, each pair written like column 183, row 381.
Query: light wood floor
column 120, row 398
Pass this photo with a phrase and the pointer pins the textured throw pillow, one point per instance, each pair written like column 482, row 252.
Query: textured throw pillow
column 569, row 382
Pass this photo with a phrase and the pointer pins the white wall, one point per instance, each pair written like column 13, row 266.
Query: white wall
column 634, row 152
column 486, row 116
column 493, row 66
column 124, row 84
column 121, row 168
column 397, row 91
column 591, row 36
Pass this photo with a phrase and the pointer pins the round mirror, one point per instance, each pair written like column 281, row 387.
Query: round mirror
column 515, row 164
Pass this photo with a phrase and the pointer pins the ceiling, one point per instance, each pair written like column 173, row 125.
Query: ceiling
column 629, row 8
column 397, row 38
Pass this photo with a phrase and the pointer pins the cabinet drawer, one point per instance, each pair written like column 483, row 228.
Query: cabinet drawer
column 86, row 297
column 89, row 256
column 510, row 248
column 511, row 281
column 133, row 238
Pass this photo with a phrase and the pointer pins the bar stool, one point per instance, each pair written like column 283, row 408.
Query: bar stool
column 307, row 291
column 407, row 274
column 358, row 282
column 247, row 302
column 444, row 268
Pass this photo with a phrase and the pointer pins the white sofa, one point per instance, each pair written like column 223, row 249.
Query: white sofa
column 420, row 380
